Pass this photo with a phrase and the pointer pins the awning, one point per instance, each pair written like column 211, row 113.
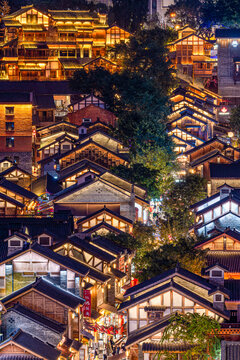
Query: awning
column 33, row 28
column 67, row 28
column 108, row 307
column 70, row 64
column 202, row 58
column 87, row 335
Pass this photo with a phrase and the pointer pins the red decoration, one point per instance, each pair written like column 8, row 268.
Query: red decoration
column 87, row 304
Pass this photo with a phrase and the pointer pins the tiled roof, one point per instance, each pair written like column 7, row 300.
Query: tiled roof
column 14, row 97
column 147, row 331
column 228, row 259
column 179, row 289
column 47, row 288
column 73, row 169
column 234, row 287
column 86, row 246
column 45, row 102
column 32, row 344
column 225, row 170
column 38, row 87
column 177, row 271
column 39, row 318
column 108, row 211
column 109, row 245
column 61, row 224
column 101, row 226
column 11, row 200
column 64, row 261
column 155, row 347
column 228, row 232
column 17, row 189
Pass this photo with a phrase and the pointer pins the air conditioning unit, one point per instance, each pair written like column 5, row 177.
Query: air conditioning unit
column 87, row 121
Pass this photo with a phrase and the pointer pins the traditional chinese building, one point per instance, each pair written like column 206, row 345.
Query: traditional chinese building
column 149, row 306
column 202, row 158
column 228, row 64
column 191, row 54
column 37, row 45
column 223, row 250
column 218, row 211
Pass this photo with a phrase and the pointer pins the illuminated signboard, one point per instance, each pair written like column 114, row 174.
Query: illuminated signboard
column 224, row 110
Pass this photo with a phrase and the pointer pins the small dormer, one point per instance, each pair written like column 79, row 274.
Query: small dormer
column 216, row 274
column 85, row 178
column 225, row 190
column 45, row 239
column 82, row 130
column 66, row 146
column 15, row 243
column 219, row 300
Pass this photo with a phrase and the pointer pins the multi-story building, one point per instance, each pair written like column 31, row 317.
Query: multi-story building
column 51, row 46
column 159, row 8
column 228, row 41
column 16, row 113
column 191, row 54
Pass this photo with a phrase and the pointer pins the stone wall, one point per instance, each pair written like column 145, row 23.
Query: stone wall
column 12, row 321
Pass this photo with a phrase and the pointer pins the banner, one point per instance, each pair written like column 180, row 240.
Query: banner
column 87, row 304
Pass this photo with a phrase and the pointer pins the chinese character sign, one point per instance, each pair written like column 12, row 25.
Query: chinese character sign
column 87, row 304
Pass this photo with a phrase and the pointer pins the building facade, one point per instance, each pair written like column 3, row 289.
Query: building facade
column 51, row 46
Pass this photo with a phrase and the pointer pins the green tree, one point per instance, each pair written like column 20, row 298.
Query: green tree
column 167, row 256
column 235, row 119
column 129, row 14
column 177, row 201
column 199, row 332
column 146, row 54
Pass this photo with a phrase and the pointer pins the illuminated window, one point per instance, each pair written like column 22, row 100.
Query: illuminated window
column 85, row 53
column 31, row 18
column 45, row 241
column 9, row 142
column 9, row 126
column 9, row 110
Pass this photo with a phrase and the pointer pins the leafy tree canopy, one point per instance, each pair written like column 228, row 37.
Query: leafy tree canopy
column 146, row 54
column 235, row 119
column 200, row 332
column 204, row 14
column 169, row 255
column 129, row 14
column 177, row 201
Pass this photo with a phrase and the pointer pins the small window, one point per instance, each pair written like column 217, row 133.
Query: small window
column 155, row 315
column 85, row 53
column 218, row 297
column 6, row 165
column 15, row 243
column 9, row 110
column 10, row 142
column 66, row 147
column 44, row 241
column 31, row 18
column 9, row 126
column 217, row 273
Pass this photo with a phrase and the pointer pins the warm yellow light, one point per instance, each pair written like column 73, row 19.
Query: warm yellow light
column 173, row 15
column 230, row 134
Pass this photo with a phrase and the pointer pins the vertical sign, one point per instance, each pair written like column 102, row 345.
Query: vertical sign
column 121, row 263
column 87, row 304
